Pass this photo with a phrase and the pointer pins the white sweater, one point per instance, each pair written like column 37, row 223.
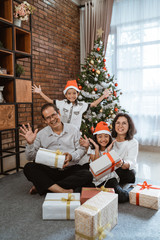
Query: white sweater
column 128, row 151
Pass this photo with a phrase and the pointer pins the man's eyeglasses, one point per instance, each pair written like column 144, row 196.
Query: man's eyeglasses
column 51, row 116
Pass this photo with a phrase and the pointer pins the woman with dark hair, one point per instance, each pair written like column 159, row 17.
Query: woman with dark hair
column 126, row 146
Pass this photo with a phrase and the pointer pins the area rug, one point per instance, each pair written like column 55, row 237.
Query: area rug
column 21, row 217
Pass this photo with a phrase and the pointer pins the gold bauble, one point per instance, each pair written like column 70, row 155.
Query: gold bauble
column 98, row 71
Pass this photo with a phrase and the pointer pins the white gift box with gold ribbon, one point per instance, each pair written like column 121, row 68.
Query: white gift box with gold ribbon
column 50, row 158
column 96, row 217
column 105, row 164
column 60, row 206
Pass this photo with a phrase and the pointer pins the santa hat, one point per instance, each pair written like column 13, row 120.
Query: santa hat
column 71, row 84
column 102, row 127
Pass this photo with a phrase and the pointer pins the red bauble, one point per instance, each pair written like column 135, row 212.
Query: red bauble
column 115, row 93
column 93, row 70
column 116, row 84
column 80, row 87
column 92, row 129
column 104, row 68
column 98, row 49
column 78, row 79
column 116, row 109
column 104, row 60
column 95, row 89
column 108, row 75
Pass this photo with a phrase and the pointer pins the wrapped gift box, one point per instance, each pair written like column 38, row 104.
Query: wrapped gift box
column 96, row 217
column 88, row 193
column 50, row 158
column 60, row 206
column 105, row 164
column 145, row 195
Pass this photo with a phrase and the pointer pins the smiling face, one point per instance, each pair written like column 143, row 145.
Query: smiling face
column 71, row 95
column 103, row 140
column 121, row 126
column 51, row 117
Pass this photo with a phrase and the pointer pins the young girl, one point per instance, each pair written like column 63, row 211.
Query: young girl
column 71, row 109
column 102, row 142
column 126, row 146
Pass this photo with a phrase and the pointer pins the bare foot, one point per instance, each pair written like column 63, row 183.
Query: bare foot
column 33, row 190
column 57, row 189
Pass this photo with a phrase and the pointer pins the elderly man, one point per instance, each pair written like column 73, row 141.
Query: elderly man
column 56, row 135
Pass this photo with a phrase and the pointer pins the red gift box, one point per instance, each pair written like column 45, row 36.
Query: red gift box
column 88, row 193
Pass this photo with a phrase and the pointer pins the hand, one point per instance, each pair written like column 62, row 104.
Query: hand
column 119, row 164
column 36, row 89
column 28, row 134
column 68, row 158
column 95, row 144
column 110, row 146
column 106, row 93
column 84, row 142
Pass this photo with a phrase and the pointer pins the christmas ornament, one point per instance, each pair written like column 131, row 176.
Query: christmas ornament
column 116, row 84
column 98, row 72
column 100, row 32
column 111, row 111
column 104, row 60
column 104, row 68
column 92, row 62
column 116, row 109
column 99, row 61
column 98, row 49
column 93, row 92
column 115, row 93
column 108, row 75
column 95, row 89
column 92, row 129
column 93, row 70
column 113, row 116
column 80, row 87
column 101, row 110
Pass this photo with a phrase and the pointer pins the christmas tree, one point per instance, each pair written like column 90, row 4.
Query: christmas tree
column 92, row 81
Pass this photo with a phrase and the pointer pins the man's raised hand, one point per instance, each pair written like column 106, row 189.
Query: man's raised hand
column 28, row 134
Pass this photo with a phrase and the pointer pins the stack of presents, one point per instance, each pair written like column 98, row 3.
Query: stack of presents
column 95, row 211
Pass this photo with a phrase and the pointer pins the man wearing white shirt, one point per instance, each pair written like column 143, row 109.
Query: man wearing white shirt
column 56, row 135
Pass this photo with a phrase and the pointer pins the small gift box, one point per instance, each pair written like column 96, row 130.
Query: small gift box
column 105, row 164
column 145, row 195
column 88, row 193
column 96, row 217
column 60, row 206
column 50, row 158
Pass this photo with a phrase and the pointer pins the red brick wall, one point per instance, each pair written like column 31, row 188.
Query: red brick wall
column 55, row 49
column 55, row 55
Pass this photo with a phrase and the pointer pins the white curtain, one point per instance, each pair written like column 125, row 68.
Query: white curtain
column 133, row 54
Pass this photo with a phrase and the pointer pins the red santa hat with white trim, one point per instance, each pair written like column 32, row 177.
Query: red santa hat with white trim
column 102, row 127
column 71, row 84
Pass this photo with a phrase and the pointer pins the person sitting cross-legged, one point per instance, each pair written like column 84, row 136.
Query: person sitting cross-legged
column 56, row 135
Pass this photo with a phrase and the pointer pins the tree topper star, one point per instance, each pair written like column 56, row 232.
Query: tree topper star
column 100, row 32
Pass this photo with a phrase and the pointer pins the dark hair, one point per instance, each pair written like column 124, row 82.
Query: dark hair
column 95, row 140
column 131, row 129
column 47, row 105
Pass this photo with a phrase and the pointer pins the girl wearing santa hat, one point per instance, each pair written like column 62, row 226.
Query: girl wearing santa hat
column 71, row 110
column 102, row 142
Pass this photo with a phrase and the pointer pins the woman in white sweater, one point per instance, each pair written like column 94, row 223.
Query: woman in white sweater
column 126, row 146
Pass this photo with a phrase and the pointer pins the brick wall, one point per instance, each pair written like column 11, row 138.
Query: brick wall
column 55, row 48
column 56, row 57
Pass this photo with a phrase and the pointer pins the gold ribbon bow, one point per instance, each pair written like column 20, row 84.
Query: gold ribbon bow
column 57, row 152
column 102, row 188
column 68, row 200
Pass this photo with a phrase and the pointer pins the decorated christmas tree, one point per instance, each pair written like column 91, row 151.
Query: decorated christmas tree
column 92, row 81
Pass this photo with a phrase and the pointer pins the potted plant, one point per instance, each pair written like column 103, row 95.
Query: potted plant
column 19, row 70
column 22, row 12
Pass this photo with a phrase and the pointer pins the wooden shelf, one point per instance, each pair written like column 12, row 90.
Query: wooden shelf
column 6, row 12
column 6, row 61
column 22, row 40
column 23, row 91
column 7, row 117
column 6, row 36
